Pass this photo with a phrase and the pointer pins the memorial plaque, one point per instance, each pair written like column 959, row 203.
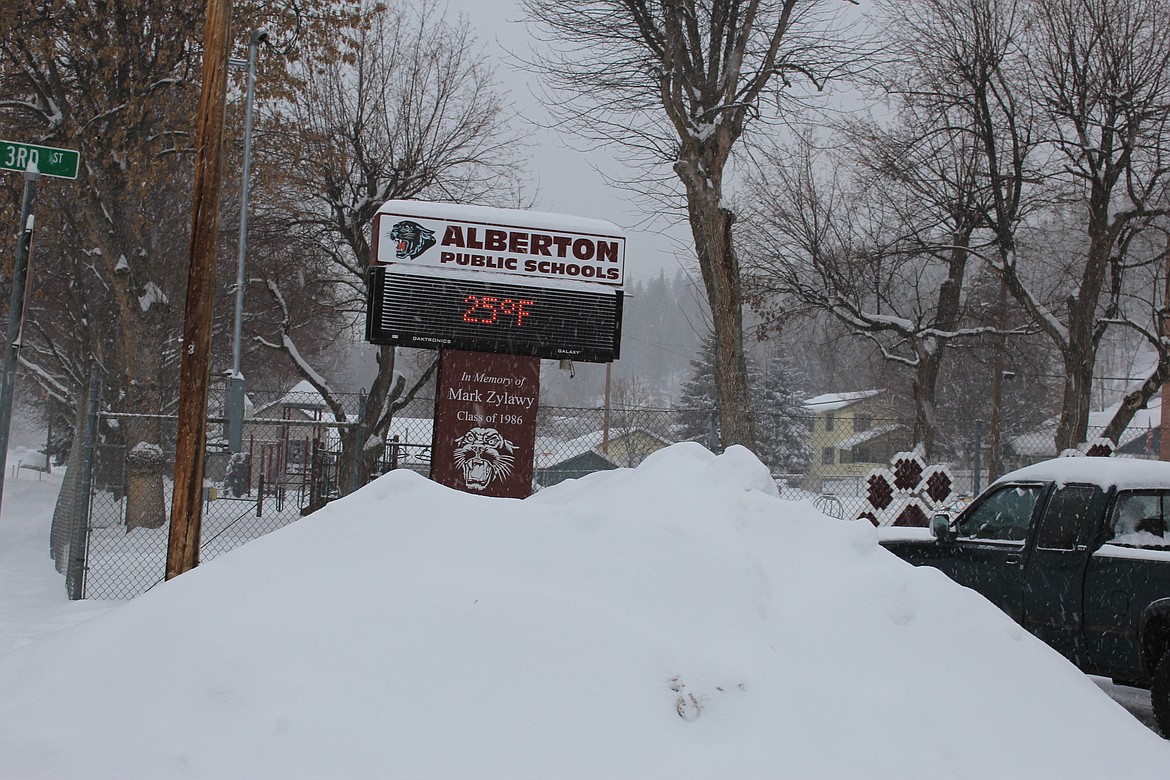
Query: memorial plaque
column 485, row 423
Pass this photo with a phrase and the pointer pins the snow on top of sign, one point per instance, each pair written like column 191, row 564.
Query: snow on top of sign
column 489, row 215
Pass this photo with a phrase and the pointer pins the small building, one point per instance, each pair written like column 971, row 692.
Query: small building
column 851, row 433
column 1140, row 439
column 287, row 430
column 558, row 460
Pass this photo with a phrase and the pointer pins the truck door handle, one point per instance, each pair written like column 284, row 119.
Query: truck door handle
column 1013, row 559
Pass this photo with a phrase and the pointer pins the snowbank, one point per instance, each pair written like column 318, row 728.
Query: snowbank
column 678, row 620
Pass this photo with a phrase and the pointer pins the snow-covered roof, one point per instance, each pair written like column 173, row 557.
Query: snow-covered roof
column 560, row 450
column 831, row 402
column 302, row 395
column 864, row 436
column 1039, row 442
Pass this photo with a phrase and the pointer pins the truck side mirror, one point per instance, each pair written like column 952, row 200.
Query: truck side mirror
column 941, row 527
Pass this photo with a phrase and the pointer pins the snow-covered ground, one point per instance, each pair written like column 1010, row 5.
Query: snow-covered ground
column 33, row 602
column 678, row 620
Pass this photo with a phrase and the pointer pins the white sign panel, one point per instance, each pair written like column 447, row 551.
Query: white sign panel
column 475, row 238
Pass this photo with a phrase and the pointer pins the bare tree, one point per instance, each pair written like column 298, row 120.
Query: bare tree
column 1101, row 69
column 678, row 83
column 881, row 240
column 970, row 58
column 118, row 83
column 114, row 88
column 412, row 114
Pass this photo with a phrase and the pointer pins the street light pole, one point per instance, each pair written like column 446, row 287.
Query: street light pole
column 236, row 380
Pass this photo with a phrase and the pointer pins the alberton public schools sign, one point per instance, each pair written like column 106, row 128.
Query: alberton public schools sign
column 481, row 239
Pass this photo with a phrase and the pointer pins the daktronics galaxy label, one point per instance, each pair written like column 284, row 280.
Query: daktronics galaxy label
column 413, row 235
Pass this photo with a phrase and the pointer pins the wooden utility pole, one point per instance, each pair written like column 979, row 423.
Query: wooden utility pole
column 194, row 374
column 1164, row 332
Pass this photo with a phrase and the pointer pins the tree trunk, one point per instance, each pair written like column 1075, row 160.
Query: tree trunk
column 1080, row 353
column 357, row 461
column 925, row 393
column 143, row 334
column 930, row 350
column 711, row 226
column 386, row 396
column 1137, row 400
column 134, row 362
column 145, row 467
column 1074, row 410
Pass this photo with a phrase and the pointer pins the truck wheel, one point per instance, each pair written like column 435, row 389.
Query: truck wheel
column 1160, row 694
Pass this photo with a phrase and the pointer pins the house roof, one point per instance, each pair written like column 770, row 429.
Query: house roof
column 566, row 449
column 1039, row 442
column 864, row 436
column 831, row 402
column 302, row 395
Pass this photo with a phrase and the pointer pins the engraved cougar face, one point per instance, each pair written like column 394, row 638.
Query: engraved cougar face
column 482, row 455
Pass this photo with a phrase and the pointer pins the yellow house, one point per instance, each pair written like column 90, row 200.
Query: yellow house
column 852, row 433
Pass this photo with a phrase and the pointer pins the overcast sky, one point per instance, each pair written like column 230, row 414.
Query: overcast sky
column 568, row 181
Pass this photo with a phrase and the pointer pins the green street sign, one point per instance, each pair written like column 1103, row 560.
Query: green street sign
column 61, row 163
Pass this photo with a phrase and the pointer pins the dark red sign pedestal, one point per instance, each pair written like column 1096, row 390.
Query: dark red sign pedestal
column 485, row 423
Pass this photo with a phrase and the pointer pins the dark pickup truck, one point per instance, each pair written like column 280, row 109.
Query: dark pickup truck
column 1077, row 550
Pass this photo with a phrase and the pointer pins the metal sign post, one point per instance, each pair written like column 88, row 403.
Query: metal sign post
column 34, row 161
column 16, row 315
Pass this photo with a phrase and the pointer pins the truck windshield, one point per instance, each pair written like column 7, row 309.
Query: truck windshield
column 1004, row 514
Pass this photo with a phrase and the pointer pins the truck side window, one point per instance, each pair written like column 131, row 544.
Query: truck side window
column 1065, row 516
column 1139, row 519
column 1005, row 514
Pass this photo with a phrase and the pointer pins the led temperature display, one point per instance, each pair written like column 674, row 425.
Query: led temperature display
column 439, row 312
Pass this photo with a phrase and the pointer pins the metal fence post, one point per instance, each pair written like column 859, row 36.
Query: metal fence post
column 359, row 445
column 978, row 459
column 75, row 577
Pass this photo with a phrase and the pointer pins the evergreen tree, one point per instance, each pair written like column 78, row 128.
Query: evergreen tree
column 697, row 397
column 783, row 425
column 783, row 434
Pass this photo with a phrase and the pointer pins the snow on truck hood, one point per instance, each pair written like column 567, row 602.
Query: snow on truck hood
column 677, row 620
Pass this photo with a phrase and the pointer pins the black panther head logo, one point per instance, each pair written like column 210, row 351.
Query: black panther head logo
column 412, row 239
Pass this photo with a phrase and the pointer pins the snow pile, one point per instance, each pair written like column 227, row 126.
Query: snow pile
column 678, row 620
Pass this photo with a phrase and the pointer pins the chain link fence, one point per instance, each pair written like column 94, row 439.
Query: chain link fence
column 289, row 466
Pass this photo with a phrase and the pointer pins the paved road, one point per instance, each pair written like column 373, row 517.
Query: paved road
column 1136, row 700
